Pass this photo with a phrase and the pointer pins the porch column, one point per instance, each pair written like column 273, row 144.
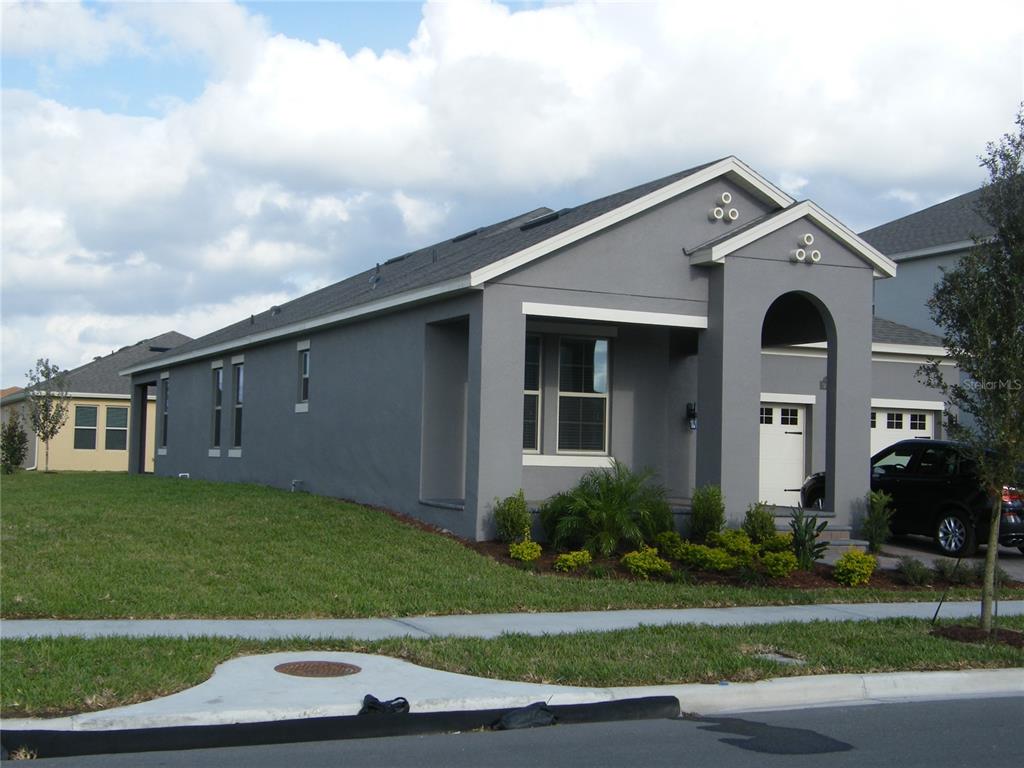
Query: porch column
column 494, row 461
column 137, row 428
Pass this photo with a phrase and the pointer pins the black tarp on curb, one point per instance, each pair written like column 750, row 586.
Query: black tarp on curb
column 50, row 743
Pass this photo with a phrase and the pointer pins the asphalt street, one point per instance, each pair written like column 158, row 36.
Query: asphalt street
column 964, row 732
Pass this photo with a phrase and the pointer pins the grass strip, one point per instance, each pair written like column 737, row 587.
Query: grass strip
column 112, row 545
column 54, row 676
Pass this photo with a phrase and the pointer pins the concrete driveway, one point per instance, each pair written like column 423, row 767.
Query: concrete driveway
column 1011, row 559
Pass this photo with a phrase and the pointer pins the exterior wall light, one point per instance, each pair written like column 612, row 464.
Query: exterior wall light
column 691, row 415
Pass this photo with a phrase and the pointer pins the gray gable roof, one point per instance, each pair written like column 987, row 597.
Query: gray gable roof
column 102, row 375
column 434, row 264
column 954, row 221
column 887, row 332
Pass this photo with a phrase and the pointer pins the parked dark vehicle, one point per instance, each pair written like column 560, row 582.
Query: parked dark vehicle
column 936, row 492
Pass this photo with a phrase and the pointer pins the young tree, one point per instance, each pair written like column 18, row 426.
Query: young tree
column 979, row 308
column 47, row 396
column 13, row 444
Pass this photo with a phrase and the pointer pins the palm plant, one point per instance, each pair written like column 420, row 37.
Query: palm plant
column 608, row 510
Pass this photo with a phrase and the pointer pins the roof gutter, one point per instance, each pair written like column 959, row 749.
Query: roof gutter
column 437, row 290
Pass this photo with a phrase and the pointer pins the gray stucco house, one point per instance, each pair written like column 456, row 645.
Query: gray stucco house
column 705, row 325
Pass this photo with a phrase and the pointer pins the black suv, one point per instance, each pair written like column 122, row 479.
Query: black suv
column 935, row 491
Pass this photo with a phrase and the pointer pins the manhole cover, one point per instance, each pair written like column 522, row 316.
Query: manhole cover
column 317, row 669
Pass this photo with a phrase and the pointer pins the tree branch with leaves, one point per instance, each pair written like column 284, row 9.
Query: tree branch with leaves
column 47, row 396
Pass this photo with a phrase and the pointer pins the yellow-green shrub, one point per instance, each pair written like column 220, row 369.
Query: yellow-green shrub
column 670, row 544
column 526, row 551
column 645, row 563
column 705, row 558
column 571, row 561
column 779, row 565
column 854, row 569
column 779, row 542
column 736, row 543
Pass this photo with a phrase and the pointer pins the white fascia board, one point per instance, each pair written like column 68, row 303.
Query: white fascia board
column 780, row 397
column 407, row 297
column 19, row 396
column 909, row 405
column 888, row 348
column 730, row 165
column 715, row 254
column 614, row 315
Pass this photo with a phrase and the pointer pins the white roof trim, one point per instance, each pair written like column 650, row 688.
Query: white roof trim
column 408, row 297
column 782, row 397
column 17, row 397
column 614, row 315
column 730, row 165
column 909, row 405
column 715, row 254
column 885, row 347
column 934, row 250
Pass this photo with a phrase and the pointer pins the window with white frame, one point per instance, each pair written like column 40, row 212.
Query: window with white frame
column 304, row 375
column 85, row 427
column 238, row 391
column 766, row 414
column 217, row 385
column 116, row 433
column 894, row 420
column 789, row 417
column 531, row 394
column 583, row 395
column 874, row 420
column 918, row 422
column 165, row 391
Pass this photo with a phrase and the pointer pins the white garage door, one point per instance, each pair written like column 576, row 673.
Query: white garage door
column 890, row 425
column 782, row 468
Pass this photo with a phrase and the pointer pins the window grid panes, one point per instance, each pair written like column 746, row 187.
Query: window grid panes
column 85, row 427
column 789, row 417
column 164, row 393
column 767, row 415
column 894, row 421
column 238, row 379
column 874, row 420
column 918, row 421
column 531, row 394
column 304, row 376
column 218, row 405
column 116, row 432
column 583, row 395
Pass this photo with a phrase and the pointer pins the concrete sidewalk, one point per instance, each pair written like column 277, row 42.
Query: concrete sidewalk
column 488, row 625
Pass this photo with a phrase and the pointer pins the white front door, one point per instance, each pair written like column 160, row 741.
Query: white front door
column 782, row 467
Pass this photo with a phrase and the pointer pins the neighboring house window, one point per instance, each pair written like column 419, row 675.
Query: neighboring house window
column 303, row 375
column 766, row 415
column 116, row 435
column 85, row 427
column 531, row 395
column 583, row 395
column 165, row 390
column 917, row 421
column 238, row 379
column 789, row 417
column 218, row 403
column 873, row 420
column 894, row 421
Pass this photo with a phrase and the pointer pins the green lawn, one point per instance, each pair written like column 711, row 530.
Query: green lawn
column 81, row 545
column 48, row 677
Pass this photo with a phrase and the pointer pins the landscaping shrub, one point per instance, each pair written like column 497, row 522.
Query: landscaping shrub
column 952, row 571
column 512, row 518
column 670, row 544
column 572, row 561
column 759, row 523
column 13, row 444
column 608, row 510
column 705, row 558
column 806, row 530
column 780, row 542
column 708, row 508
column 978, row 574
column 779, row 565
column 912, row 571
column 854, row 569
column 525, row 551
column 599, row 571
column 735, row 542
column 876, row 522
column 646, row 563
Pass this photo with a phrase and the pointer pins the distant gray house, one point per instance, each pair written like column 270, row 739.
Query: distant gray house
column 705, row 325
column 922, row 244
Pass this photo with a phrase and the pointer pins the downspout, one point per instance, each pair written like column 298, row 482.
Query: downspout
column 34, row 466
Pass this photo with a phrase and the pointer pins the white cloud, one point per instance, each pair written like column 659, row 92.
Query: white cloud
column 904, row 196
column 68, row 31
column 419, row 216
column 792, row 182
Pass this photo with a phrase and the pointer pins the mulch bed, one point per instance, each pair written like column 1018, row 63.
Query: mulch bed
column 962, row 634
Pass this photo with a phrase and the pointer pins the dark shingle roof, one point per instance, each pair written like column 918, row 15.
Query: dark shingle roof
column 431, row 265
column 102, row 375
column 953, row 221
column 887, row 332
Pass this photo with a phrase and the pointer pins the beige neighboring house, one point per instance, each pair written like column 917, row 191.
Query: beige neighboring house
column 95, row 436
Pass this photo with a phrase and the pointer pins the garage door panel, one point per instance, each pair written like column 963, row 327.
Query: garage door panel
column 890, row 425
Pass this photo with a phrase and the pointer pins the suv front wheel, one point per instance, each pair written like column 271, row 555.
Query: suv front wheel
column 955, row 535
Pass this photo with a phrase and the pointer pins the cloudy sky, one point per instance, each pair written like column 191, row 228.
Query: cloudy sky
column 181, row 165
